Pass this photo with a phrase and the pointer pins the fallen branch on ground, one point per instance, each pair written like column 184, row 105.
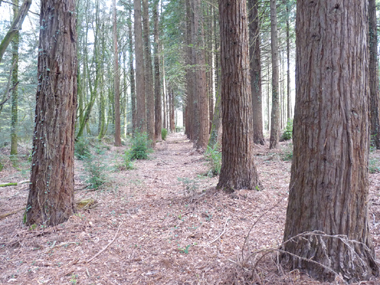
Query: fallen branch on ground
column 11, row 213
column 96, row 255
column 14, row 183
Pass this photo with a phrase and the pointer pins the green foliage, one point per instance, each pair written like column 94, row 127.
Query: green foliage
column 96, row 170
column 373, row 165
column 164, row 133
column 141, row 147
column 82, row 149
column 288, row 133
column 127, row 162
column 214, row 157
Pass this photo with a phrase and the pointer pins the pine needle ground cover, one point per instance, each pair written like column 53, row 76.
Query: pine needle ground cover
column 146, row 227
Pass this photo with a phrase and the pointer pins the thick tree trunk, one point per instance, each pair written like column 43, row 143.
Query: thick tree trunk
column 51, row 195
column 275, row 115
column 374, row 74
column 255, row 67
column 141, row 123
column 238, row 169
column 201, row 85
column 149, row 93
column 15, row 44
column 116, row 77
column 329, row 177
column 157, row 81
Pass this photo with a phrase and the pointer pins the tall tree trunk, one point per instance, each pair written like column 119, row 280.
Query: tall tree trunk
column 132, row 74
column 289, row 107
column 327, row 214
column 149, row 93
column 15, row 44
column 189, row 74
column 201, row 85
column 172, row 109
column 238, row 168
column 157, row 81
column 275, row 115
column 51, row 195
column 140, row 79
column 116, row 77
column 374, row 74
column 255, row 67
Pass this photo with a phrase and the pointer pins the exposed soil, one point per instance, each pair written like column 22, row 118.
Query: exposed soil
column 161, row 223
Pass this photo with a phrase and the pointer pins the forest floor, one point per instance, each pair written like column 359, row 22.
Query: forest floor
column 160, row 223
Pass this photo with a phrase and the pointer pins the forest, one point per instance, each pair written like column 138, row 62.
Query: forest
column 189, row 142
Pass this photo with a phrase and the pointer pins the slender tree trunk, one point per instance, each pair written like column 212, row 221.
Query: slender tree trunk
column 132, row 75
column 157, row 81
column 374, row 74
column 15, row 44
column 327, row 214
column 255, row 67
column 172, row 109
column 275, row 115
column 289, row 111
column 238, row 168
column 51, row 195
column 116, row 79
column 140, row 79
column 15, row 27
column 189, row 74
column 149, row 93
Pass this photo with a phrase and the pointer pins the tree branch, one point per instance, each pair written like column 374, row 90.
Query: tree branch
column 16, row 25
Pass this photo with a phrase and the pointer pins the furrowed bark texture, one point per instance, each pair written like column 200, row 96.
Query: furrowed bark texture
column 329, row 176
column 374, row 74
column 51, row 195
column 200, row 78
column 238, row 169
column 255, row 67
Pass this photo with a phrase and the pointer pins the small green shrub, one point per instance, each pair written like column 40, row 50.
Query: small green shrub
column 82, row 149
column 288, row 133
column 127, row 162
column 214, row 157
column 287, row 155
column 141, row 147
column 96, row 170
column 164, row 133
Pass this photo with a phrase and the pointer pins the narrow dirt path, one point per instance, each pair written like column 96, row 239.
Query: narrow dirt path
column 161, row 223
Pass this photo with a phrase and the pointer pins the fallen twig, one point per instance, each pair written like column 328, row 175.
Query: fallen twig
column 224, row 230
column 11, row 213
column 96, row 255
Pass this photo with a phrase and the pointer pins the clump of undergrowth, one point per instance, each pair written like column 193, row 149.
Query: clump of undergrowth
column 288, row 132
column 164, row 133
column 96, row 169
column 82, row 149
column 140, row 148
column 214, row 157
